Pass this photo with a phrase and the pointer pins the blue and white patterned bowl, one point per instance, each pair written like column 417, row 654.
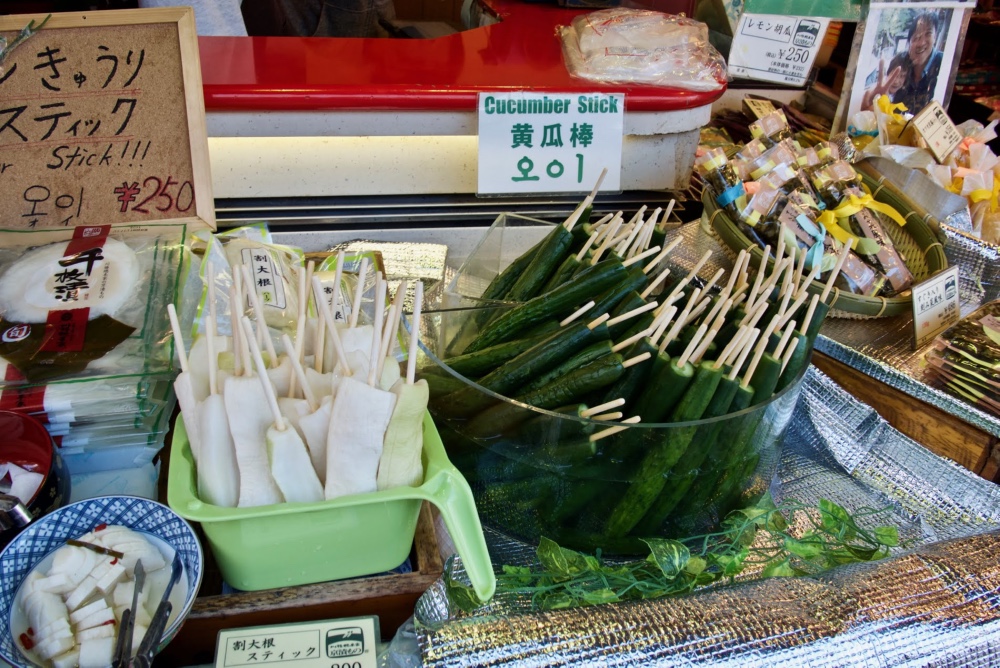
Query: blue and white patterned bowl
column 46, row 534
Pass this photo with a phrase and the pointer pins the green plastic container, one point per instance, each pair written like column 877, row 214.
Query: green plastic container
column 287, row 544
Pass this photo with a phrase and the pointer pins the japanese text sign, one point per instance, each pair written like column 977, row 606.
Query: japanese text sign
column 548, row 143
column 102, row 121
column 775, row 48
column 935, row 306
column 338, row 643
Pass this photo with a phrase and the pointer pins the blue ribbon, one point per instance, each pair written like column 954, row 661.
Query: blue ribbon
column 730, row 195
column 854, row 132
column 818, row 233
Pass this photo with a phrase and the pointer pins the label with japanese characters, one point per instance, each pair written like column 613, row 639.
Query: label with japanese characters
column 336, row 643
column 549, row 142
column 937, row 130
column 935, row 306
column 776, row 48
column 267, row 281
column 99, row 121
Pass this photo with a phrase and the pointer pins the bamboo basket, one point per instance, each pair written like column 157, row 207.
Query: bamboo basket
column 917, row 243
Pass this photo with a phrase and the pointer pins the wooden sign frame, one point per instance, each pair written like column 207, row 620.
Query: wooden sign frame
column 164, row 207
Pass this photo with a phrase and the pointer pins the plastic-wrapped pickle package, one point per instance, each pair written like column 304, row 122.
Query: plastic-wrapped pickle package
column 642, row 46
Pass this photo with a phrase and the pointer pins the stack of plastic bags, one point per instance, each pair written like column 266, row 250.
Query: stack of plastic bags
column 85, row 346
column 965, row 359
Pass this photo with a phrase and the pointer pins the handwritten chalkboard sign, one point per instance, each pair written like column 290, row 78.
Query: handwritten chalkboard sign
column 102, row 121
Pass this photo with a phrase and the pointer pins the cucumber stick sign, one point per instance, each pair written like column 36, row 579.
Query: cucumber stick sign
column 549, row 142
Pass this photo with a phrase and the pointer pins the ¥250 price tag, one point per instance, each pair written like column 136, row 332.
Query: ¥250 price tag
column 549, row 142
column 776, row 48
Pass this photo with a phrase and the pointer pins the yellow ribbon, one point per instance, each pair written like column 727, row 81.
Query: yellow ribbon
column 955, row 186
column 886, row 106
column 984, row 194
column 852, row 205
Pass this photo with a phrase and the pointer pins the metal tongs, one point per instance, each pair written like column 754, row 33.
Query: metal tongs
column 123, row 646
column 158, row 624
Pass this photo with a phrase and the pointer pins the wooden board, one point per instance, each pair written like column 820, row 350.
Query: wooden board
column 102, row 121
column 938, row 431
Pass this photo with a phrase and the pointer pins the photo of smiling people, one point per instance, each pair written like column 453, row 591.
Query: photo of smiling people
column 906, row 53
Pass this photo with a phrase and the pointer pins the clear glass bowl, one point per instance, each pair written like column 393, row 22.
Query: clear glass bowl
column 535, row 473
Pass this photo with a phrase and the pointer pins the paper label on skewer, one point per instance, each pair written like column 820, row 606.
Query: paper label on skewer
column 935, row 306
column 340, row 643
column 267, row 280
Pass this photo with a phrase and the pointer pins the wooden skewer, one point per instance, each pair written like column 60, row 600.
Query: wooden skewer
column 411, row 361
column 670, row 208
column 300, row 326
column 213, row 328
column 649, row 306
column 590, row 242
column 600, row 408
column 577, row 313
column 636, row 360
column 723, row 357
column 783, row 341
column 598, row 321
column 691, row 274
column 648, row 228
column 614, row 430
column 622, row 345
column 239, row 368
column 759, row 279
column 376, row 350
column 661, row 322
column 608, row 416
column 809, row 314
column 359, row 291
column 663, row 254
column 265, row 382
column 258, row 315
column 758, row 353
column 747, row 345
column 641, row 256
column 779, row 255
column 702, row 348
column 712, row 281
column 734, row 274
column 800, row 267
column 299, row 372
column 587, row 201
column 753, row 315
column 679, row 322
column 841, row 258
column 635, row 225
column 786, row 357
column 697, row 311
column 175, row 325
column 392, row 326
column 804, row 285
column 722, row 304
column 655, row 282
column 692, row 345
column 331, row 328
column 615, row 223
column 793, row 309
column 769, row 283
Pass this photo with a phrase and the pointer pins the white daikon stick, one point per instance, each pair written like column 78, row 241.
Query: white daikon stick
column 218, row 471
column 400, row 462
column 183, row 387
column 358, row 421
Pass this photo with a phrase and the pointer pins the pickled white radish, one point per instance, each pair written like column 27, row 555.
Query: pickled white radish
column 400, row 464
column 249, row 417
column 218, row 472
column 291, row 466
column 358, row 422
column 315, row 428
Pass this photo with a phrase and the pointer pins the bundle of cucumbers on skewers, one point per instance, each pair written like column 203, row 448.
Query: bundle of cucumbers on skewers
column 602, row 340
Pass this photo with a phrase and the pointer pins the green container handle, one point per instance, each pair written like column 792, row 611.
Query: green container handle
column 449, row 491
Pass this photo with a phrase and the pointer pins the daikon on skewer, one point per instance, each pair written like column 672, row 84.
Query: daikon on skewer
column 217, row 470
column 183, row 388
column 287, row 457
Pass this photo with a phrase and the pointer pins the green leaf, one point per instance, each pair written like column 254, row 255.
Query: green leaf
column 862, row 553
column 805, row 548
column 461, row 595
column 599, row 596
column 521, row 574
column 836, row 519
column 777, row 569
column 556, row 601
column 670, row 555
column 560, row 561
column 888, row 536
column 695, row 565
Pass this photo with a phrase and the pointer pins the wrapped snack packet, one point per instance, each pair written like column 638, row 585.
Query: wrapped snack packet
column 886, row 259
column 715, row 168
column 771, row 129
column 778, row 154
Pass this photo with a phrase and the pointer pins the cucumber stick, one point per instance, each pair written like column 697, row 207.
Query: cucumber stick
column 474, row 365
column 664, row 452
column 559, row 303
column 546, row 259
column 563, row 273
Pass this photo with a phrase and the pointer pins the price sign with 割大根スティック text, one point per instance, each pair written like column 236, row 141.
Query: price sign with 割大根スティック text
column 102, row 121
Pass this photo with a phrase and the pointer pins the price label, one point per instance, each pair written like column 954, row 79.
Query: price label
column 935, row 306
column 547, row 143
column 776, row 48
column 337, row 643
column 937, row 130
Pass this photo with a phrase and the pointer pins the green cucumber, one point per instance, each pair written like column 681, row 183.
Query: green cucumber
column 473, row 365
column 635, row 376
column 796, row 362
column 559, row 303
column 498, row 419
column 565, row 272
column 611, row 299
column 664, row 452
column 549, row 255
column 686, row 470
column 667, row 384
column 588, row 354
column 510, row 377
column 765, row 378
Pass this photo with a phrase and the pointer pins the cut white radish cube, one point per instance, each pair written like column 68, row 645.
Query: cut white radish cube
column 83, row 594
column 136, row 549
column 97, row 653
column 106, row 616
column 68, row 660
column 78, row 616
column 59, row 627
column 58, row 583
column 111, row 578
column 56, row 646
column 138, row 633
column 95, row 632
column 291, row 467
column 75, row 562
column 30, row 582
column 44, row 608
